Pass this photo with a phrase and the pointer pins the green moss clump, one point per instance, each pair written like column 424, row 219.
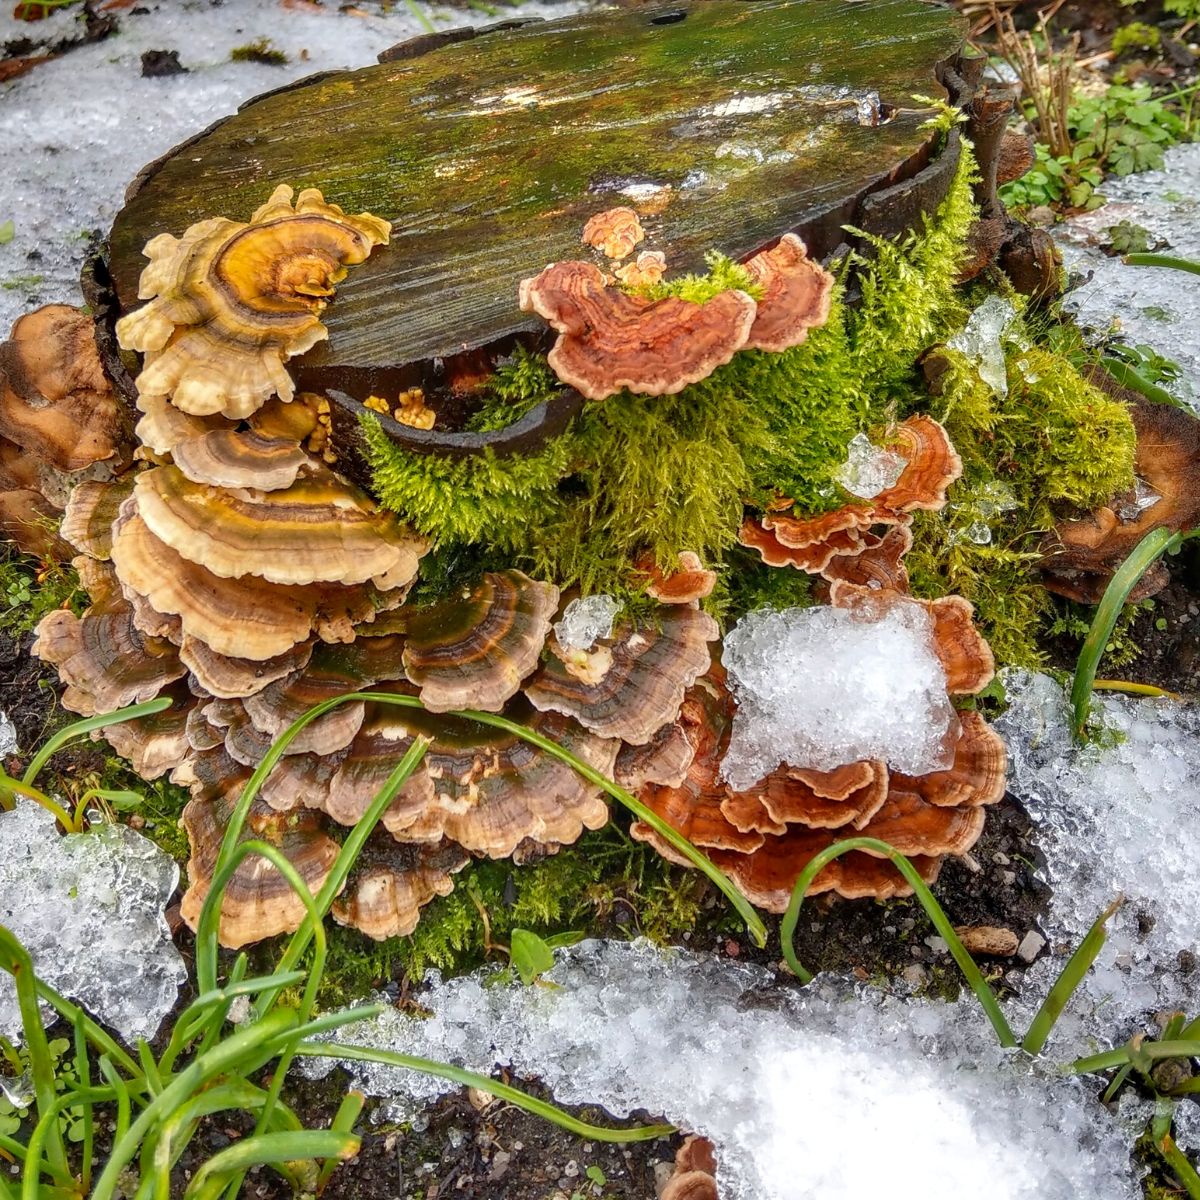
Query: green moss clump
column 480, row 499
column 260, row 51
column 1053, row 442
column 723, row 275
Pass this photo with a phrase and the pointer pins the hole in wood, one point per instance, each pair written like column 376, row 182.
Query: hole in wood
column 669, row 18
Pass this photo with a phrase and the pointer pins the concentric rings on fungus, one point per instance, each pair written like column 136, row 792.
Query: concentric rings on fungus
column 797, row 295
column 231, row 301
column 474, row 651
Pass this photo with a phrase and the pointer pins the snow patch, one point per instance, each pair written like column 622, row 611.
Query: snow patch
column 819, row 687
column 89, row 909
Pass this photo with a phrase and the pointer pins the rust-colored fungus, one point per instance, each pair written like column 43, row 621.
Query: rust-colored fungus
column 828, row 543
column 614, row 232
column 1081, row 555
column 474, row 652
column 91, row 510
column 689, row 582
column 641, row 690
column 610, row 339
column 694, row 1177
column 797, row 294
column 645, row 270
column 231, row 301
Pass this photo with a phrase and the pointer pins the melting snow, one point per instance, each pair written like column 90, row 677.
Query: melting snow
column 816, row 688
column 982, row 341
column 831, row 1091
column 89, row 909
column 584, row 620
column 1152, row 305
column 75, row 131
column 1113, row 819
column 869, row 470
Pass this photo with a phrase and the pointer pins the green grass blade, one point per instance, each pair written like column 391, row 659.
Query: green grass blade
column 745, row 910
column 83, row 1078
column 269, row 1148
column 1169, row 261
column 1068, row 980
column 343, row 1122
column 935, row 912
column 539, row 1108
column 1129, row 377
column 1140, row 559
column 83, row 728
column 15, row 959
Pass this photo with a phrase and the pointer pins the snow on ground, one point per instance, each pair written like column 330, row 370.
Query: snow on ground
column 75, row 131
column 89, row 909
column 839, row 1090
column 832, row 1091
column 1155, row 306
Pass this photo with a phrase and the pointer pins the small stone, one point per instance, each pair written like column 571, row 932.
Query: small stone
column 1032, row 944
column 732, row 948
column 915, row 976
column 8, row 736
column 938, row 945
column 1008, row 878
column 994, row 941
column 571, row 1170
column 1001, row 859
column 157, row 64
column 500, row 1162
column 662, row 1176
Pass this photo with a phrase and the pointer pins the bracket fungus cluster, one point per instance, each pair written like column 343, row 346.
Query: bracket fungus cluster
column 764, row 834
column 615, row 334
column 61, row 422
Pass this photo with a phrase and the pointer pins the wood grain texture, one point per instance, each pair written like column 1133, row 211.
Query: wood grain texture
column 725, row 122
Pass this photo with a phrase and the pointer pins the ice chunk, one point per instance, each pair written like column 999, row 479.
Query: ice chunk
column 869, row 470
column 982, row 341
column 1143, row 497
column 817, row 687
column 833, row 1091
column 1118, row 816
column 585, row 620
column 8, row 736
column 89, row 909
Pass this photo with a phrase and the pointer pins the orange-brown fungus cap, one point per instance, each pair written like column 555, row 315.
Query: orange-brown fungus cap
column 797, row 293
column 481, row 787
column 319, row 530
column 977, row 775
column 258, row 902
column 231, row 301
column 55, row 401
column 245, row 293
column 155, row 744
column 643, row 686
column 30, row 521
column 103, row 659
column 932, row 466
column 645, row 271
column 695, row 1171
column 391, row 883
column 474, row 651
column 229, row 459
column 689, row 582
column 246, row 617
column 610, row 339
column 614, row 232
column 230, row 678
column 1083, row 554
column 90, row 514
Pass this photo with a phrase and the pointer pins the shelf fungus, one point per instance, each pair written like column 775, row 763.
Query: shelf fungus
column 829, row 543
column 613, row 337
column 765, row 834
column 1081, row 555
column 60, row 422
column 231, row 301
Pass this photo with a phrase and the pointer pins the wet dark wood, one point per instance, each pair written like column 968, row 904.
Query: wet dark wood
column 726, row 122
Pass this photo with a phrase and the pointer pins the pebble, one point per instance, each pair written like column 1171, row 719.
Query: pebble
column 1032, row 944
column 914, row 976
column 571, row 1170
column 500, row 1161
column 662, row 1174
column 992, row 940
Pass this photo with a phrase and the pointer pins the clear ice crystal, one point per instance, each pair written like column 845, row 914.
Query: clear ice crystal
column 1144, row 496
column 69, row 152
column 833, row 1091
column 89, row 909
column 816, row 687
column 8, row 736
column 1152, row 306
column 585, row 620
column 1119, row 816
column 869, row 470
column 982, row 341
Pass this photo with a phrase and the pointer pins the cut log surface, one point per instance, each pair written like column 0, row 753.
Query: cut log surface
column 724, row 123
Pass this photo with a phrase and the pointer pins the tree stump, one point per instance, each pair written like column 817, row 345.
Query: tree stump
column 724, row 123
